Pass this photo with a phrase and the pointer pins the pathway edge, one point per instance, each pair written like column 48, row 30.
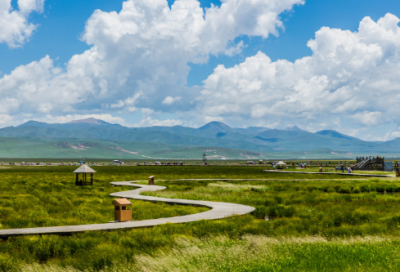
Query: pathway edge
column 219, row 210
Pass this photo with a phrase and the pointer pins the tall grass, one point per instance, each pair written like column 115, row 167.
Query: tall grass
column 314, row 223
column 259, row 253
column 312, row 207
column 41, row 199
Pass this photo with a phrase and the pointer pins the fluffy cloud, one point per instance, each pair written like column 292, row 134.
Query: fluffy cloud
column 39, row 87
column 14, row 26
column 138, row 57
column 68, row 118
column 5, row 119
column 170, row 100
column 27, row 6
column 353, row 76
column 150, row 122
column 138, row 62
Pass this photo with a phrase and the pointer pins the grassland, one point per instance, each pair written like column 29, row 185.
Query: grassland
column 35, row 148
column 330, row 223
column 31, row 198
column 332, row 170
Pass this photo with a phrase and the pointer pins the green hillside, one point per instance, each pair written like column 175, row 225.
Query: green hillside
column 98, row 139
column 89, row 148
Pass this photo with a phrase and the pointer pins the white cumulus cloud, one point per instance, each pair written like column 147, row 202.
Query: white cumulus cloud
column 353, row 76
column 139, row 56
column 170, row 100
column 69, row 117
column 15, row 28
column 139, row 62
column 150, row 122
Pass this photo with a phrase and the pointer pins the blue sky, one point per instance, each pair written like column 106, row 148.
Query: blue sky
column 60, row 34
column 62, row 24
column 300, row 26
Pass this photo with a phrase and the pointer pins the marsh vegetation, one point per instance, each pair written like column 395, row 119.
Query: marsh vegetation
column 314, row 222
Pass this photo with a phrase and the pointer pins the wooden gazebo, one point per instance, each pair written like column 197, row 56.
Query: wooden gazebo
column 280, row 165
column 84, row 170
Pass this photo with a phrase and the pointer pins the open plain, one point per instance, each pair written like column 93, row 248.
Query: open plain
column 300, row 222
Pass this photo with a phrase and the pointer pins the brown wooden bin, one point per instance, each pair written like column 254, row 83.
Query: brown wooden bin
column 151, row 180
column 122, row 210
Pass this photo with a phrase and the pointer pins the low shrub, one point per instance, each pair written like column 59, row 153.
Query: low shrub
column 311, row 188
column 331, row 190
column 390, row 189
column 393, row 222
column 380, row 189
column 260, row 212
column 281, row 211
column 346, row 197
column 344, row 190
column 278, row 199
column 364, row 189
column 259, row 190
column 269, row 202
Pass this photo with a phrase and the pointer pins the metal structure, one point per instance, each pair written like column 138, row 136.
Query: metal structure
column 370, row 163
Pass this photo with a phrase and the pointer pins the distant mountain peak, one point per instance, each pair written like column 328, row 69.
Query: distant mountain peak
column 295, row 128
column 216, row 123
column 334, row 134
column 92, row 121
column 33, row 123
column 217, row 127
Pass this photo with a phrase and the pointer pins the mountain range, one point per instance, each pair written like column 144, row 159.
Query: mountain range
column 93, row 138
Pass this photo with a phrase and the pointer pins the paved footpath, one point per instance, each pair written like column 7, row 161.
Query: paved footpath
column 218, row 210
column 330, row 173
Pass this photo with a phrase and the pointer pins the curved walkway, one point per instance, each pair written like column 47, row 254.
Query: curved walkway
column 330, row 173
column 218, row 210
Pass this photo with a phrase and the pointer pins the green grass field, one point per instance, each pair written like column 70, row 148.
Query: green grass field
column 44, row 199
column 314, row 222
column 333, row 170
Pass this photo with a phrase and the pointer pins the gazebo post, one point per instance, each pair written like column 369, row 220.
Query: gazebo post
column 91, row 179
column 77, row 179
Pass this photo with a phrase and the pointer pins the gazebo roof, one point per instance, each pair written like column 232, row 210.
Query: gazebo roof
column 281, row 163
column 84, row 169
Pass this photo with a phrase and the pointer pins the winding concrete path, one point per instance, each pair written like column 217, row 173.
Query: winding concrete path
column 218, row 210
column 330, row 173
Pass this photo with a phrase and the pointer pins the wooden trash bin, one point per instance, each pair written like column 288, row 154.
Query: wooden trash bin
column 123, row 210
column 320, row 169
column 151, row 180
column 397, row 174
